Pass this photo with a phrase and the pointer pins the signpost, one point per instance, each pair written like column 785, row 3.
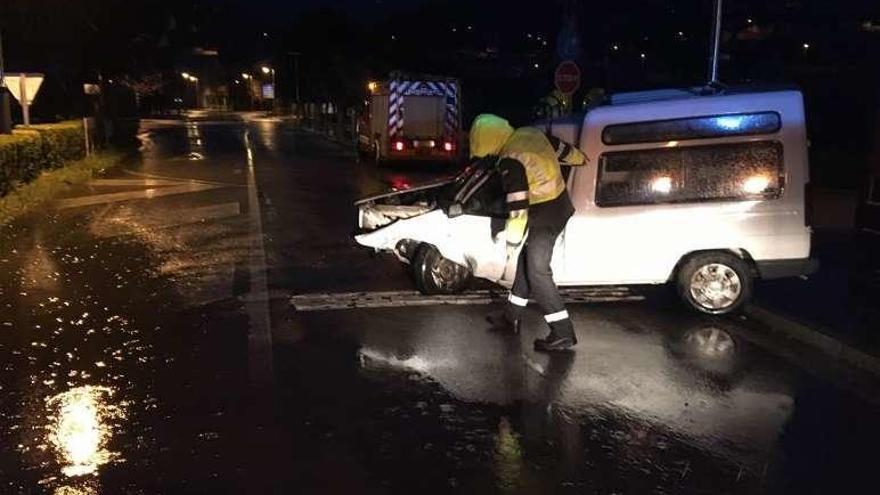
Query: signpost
column 24, row 88
column 567, row 80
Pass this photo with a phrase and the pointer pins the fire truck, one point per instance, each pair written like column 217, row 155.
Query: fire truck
column 411, row 117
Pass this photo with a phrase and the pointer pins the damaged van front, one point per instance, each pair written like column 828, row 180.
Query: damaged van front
column 382, row 209
column 441, row 229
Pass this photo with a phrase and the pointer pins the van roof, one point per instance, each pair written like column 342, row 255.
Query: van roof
column 633, row 97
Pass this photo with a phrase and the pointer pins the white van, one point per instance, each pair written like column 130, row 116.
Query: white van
column 704, row 190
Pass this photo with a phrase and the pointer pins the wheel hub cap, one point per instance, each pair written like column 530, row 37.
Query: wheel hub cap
column 445, row 273
column 715, row 286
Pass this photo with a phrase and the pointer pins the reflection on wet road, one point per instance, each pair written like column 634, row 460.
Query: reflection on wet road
column 79, row 429
column 127, row 341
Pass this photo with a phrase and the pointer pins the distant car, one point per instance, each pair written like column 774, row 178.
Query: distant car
column 706, row 191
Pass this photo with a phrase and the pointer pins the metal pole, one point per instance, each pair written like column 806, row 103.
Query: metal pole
column 716, row 41
column 274, row 92
column 88, row 146
column 296, row 69
column 25, row 104
column 5, row 107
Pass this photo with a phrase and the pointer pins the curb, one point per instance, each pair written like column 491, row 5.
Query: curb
column 815, row 338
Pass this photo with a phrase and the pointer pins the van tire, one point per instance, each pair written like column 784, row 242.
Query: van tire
column 715, row 283
column 434, row 274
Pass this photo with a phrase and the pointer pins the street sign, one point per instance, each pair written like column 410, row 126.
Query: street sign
column 30, row 87
column 269, row 91
column 568, row 77
column 24, row 88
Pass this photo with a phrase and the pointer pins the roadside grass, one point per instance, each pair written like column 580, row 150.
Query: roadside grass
column 50, row 183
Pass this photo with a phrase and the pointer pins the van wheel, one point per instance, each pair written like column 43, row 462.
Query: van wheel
column 435, row 274
column 715, row 283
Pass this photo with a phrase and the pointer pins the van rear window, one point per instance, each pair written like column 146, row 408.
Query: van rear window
column 743, row 124
column 738, row 171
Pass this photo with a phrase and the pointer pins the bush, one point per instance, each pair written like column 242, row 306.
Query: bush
column 29, row 151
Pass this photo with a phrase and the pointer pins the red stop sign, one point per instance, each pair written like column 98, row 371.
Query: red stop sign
column 568, row 77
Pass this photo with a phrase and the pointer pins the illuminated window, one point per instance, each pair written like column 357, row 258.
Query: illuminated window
column 744, row 124
column 740, row 171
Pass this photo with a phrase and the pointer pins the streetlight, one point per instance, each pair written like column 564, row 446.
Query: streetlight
column 249, row 87
column 193, row 79
column 269, row 70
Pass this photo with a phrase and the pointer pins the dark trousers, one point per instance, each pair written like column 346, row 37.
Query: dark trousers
column 534, row 277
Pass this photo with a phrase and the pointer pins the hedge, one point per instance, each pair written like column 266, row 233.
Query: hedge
column 28, row 151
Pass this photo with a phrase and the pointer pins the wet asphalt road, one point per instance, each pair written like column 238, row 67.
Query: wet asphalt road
column 148, row 346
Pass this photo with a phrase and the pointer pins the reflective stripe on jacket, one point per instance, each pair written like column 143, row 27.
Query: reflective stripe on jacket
column 541, row 155
column 530, row 168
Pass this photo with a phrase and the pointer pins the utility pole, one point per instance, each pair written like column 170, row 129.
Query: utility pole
column 5, row 110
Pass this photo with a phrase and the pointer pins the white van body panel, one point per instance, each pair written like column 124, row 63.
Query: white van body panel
column 641, row 244
column 644, row 243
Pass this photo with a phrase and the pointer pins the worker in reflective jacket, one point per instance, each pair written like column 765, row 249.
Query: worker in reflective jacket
column 539, row 207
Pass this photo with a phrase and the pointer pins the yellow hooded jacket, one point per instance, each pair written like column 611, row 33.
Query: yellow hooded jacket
column 538, row 155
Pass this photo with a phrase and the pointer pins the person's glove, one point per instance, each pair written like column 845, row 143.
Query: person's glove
column 500, row 237
column 510, row 248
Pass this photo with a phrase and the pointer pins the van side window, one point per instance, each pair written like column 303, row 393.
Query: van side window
column 738, row 171
column 743, row 124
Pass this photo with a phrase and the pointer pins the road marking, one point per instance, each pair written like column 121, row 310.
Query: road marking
column 394, row 299
column 178, row 179
column 257, row 301
column 131, row 182
column 150, row 193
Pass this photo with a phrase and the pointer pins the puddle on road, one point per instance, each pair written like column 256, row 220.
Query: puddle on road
column 91, row 335
column 81, row 425
column 672, row 412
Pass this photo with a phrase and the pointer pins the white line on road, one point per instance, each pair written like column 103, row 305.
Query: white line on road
column 132, row 182
column 149, row 193
column 394, row 299
column 257, row 301
column 178, row 179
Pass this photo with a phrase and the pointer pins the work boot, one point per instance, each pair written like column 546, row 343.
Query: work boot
column 561, row 337
column 503, row 321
